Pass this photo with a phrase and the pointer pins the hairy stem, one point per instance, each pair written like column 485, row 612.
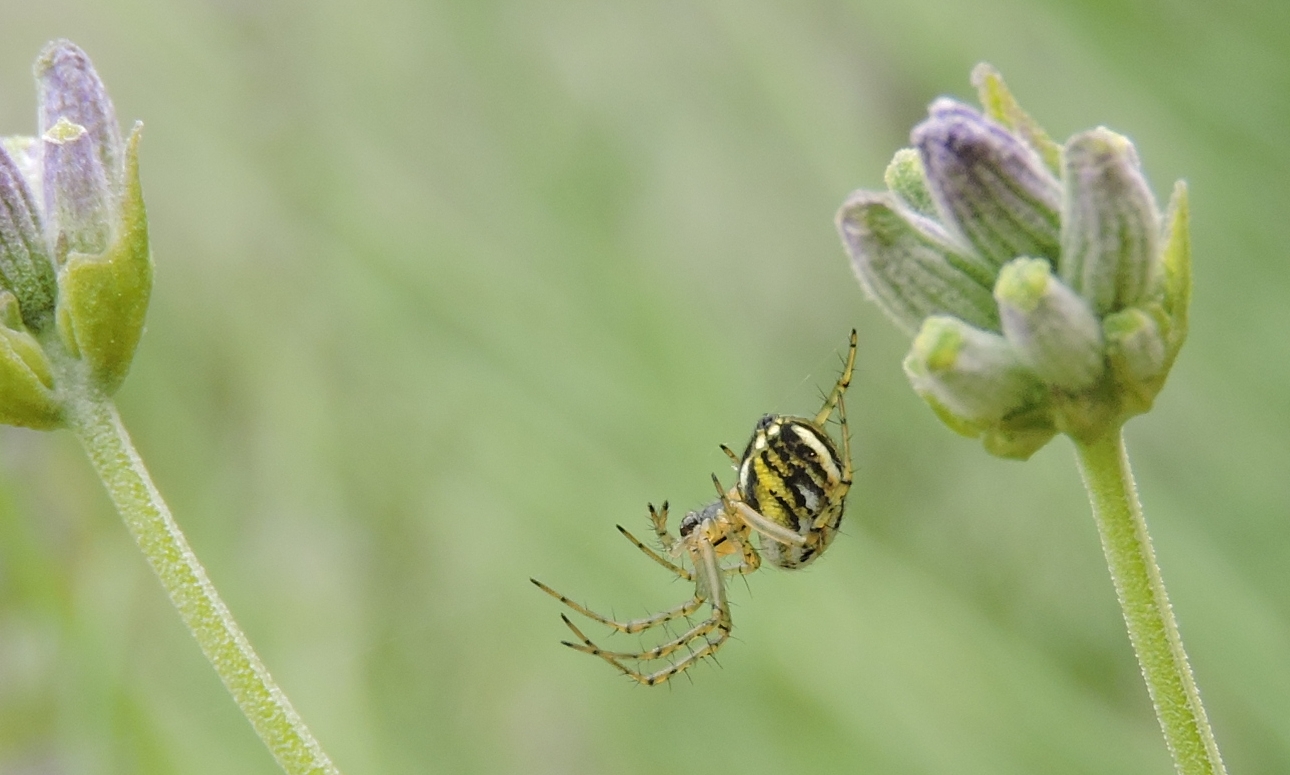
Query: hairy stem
column 93, row 417
column 1153, row 631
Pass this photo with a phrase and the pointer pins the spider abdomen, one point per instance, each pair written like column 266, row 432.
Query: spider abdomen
column 791, row 473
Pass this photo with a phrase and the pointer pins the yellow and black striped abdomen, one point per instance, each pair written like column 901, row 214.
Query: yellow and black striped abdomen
column 791, row 473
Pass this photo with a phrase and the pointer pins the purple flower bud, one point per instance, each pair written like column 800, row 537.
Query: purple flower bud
column 77, row 198
column 81, row 165
column 1089, row 285
column 989, row 184
column 75, row 265
column 67, row 87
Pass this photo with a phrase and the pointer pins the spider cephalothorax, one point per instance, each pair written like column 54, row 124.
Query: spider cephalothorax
column 791, row 488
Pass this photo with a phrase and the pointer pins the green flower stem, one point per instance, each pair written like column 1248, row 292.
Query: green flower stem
column 93, row 417
column 1153, row 631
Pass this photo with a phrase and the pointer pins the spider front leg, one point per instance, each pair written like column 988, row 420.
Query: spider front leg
column 750, row 561
column 840, row 388
column 830, row 517
column 659, row 521
column 655, row 556
column 837, row 400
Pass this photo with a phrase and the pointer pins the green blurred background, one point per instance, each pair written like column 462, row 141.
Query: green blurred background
column 447, row 289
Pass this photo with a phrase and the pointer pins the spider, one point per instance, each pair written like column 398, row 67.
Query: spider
column 790, row 491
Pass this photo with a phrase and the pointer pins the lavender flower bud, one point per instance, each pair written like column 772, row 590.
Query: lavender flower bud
column 1110, row 223
column 75, row 262
column 989, row 184
column 910, row 266
column 77, row 196
column 94, row 205
column 1052, row 328
column 1089, row 296
column 975, row 375
column 67, row 87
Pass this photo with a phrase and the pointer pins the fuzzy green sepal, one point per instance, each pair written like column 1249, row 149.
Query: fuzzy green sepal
column 104, row 298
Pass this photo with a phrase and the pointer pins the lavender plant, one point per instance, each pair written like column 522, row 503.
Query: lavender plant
column 75, row 277
column 1046, row 293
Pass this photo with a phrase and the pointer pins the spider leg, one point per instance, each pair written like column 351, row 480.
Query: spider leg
column 659, row 521
column 709, row 580
column 765, row 526
column 844, row 382
column 756, row 521
column 830, row 517
column 661, row 651
column 709, row 649
column 655, row 556
column 751, row 559
column 730, row 453
column 712, row 632
column 719, row 624
column 842, row 417
column 632, row 626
